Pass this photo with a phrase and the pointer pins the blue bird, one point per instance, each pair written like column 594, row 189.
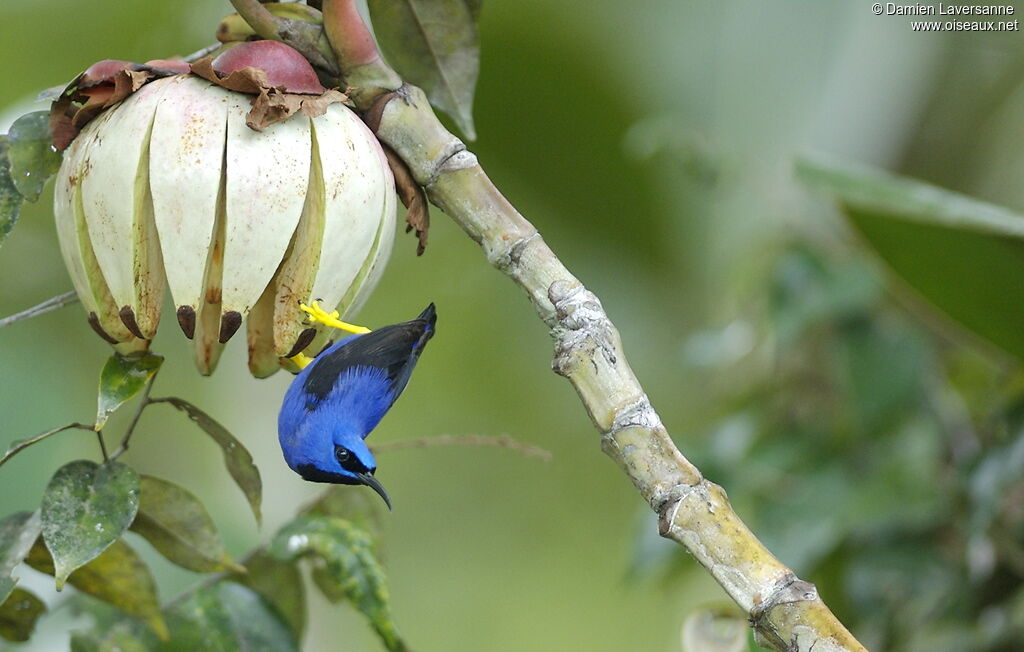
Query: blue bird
column 343, row 393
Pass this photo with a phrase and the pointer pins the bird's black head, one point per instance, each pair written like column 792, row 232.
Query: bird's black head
column 351, row 464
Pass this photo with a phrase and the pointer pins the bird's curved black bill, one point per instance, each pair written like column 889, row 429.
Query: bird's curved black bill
column 374, row 484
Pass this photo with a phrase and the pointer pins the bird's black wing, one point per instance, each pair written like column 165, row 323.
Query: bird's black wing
column 393, row 348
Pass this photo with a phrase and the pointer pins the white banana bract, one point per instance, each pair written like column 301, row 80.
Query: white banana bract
column 170, row 188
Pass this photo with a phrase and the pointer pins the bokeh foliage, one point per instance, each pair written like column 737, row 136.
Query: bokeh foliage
column 873, row 445
column 885, row 464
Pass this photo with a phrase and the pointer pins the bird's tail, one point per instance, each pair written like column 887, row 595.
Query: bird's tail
column 429, row 318
column 429, row 315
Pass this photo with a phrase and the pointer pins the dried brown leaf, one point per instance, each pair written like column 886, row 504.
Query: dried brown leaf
column 247, row 80
column 62, row 128
column 271, row 104
column 315, row 106
column 108, row 82
column 413, row 197
column 88, row 95
column 269, row 107
column 127, row 82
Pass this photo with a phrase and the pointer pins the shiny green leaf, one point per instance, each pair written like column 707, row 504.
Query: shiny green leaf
column 86, row 507
column 177, row 525
column 17, row 534
column 236, row 457
column 279, row 583
column 227, row 617
column 347, row 568
column 118, row 577
column 10, row 198
column 31, row 153
column 965, row 256
column 433, row 44
column 123, row 377
column 18, row 615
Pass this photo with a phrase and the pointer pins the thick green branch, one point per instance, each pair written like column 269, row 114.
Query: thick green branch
column 787, row 612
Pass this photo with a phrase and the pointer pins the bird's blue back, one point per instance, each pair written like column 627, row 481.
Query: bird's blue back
column 360, row 395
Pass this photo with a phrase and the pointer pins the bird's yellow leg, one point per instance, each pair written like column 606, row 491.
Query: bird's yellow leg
column 318, row 315
column 301, row 360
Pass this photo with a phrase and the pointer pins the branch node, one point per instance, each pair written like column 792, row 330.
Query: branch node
column 576, row 307
column 562, row 291
column 373, row 114
column 667, row 504
column 637, row 414
column 509, row 258
column 461, row 159
column 453, row 157
column 408, row 108
column 580, row 320
column 789, row 590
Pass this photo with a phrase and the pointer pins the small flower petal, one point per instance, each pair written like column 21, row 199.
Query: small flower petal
column 267, row 178
column 118, row 207
column 346, row 203
column 186, row 175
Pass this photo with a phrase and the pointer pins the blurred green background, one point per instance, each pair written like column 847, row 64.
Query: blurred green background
column 871, row 444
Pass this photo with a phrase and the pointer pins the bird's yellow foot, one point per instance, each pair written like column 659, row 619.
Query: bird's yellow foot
column 318, row 315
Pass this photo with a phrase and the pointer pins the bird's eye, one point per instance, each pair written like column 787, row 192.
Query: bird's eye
column 343, row 455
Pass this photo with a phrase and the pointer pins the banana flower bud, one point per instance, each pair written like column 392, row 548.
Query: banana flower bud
column 170, row 188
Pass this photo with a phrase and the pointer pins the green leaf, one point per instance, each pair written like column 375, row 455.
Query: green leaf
column 227, row 617
column 10, row 198
column 224, row 617
column 31, row 153
column 177, row 525
column 965, row 256
column 124, row 636
column 17, row 534
column 434, row 45
column 280, row 584
column 18, row 615
column 236, row 457
column 364, row 509
column 123, row 377
column 118, row 577
column 348, row 570
column 86, row 508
